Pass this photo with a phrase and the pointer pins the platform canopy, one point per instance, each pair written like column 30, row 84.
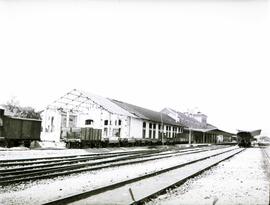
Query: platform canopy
column 252, row 133
column 77, row 101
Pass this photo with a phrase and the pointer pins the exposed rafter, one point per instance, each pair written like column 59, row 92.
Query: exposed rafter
column 81, row 102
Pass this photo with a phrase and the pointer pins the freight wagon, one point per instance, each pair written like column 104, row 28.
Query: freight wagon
column 82, row 137
column 16, row 131
column 90, row 137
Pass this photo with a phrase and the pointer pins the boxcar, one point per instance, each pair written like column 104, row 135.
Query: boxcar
column 15, row 131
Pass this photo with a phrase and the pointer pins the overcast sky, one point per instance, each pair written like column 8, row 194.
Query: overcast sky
column 212, row 55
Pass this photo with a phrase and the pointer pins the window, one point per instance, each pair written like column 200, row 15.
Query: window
column 168, row 131
column 144, row 130
column 89, row 122
column 106, row 122
column 160, row 131
column 72, row 120
column 174, row 131
column 119, row 122
column 143, row 134
column 116, row 132
column 154, row 131
column 52, row 125
column 150, row 130
column 63, row 121
column 181, row 129
column 105, row 132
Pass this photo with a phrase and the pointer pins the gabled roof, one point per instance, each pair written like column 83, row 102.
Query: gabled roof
column 193, row 124
column 209, row 126
column 147, row 114
column 80, row 101
column 185, row 120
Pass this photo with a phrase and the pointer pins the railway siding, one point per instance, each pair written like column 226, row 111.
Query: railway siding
column 29, row 174
column 32, row 192
column 144, row 189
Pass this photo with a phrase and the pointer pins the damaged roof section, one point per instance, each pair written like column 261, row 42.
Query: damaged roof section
column 81, row 102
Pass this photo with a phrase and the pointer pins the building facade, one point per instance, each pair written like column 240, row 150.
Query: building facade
column 79, row 113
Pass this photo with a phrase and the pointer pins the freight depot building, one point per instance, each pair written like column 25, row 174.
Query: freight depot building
column 78, row 112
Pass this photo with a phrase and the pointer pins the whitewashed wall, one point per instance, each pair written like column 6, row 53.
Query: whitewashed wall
column 136, row 127
column 51, row 131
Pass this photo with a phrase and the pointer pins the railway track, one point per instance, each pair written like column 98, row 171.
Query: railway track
column 140, row 189
column 20, row 174
column 75, row 158
column 105, row 158
column 30, row 161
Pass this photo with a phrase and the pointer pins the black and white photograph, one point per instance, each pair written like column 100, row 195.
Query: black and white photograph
column 134, row 102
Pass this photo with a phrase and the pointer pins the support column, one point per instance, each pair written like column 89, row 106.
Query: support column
column 189, row 136
column 110, row 126
column 67, row 122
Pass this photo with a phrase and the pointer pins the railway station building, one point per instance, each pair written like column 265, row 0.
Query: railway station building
column 79, row 115
column 108, row 119
column 197, row 130
column 78, row 109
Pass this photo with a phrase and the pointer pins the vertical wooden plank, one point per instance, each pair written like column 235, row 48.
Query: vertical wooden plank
column 82, row 134
column 87, row 134
column 100, row 134
column 93, row 134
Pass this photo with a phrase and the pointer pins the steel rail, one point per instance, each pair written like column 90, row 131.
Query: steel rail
column 86, row 194
column 92, row 154
column 64, row 162
column 15, row 162
column 79, row 168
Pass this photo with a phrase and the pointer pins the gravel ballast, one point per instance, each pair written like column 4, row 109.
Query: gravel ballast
column 241, row 180
column 34, row 192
